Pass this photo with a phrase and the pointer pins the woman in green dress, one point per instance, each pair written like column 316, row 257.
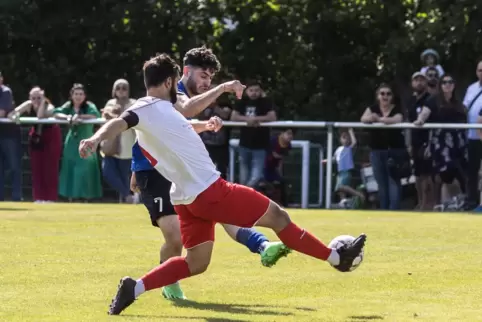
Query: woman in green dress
column 79, row 178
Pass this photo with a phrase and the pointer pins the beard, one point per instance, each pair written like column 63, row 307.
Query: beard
column 173, row 93
column 192, row 86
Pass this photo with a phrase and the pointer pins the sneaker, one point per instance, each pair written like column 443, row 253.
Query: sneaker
column 349, row 252
column 273, row 252
column 125, row 296
column 173, row 292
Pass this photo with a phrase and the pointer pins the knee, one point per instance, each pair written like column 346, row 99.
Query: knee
column 173, row 242
column 278, row 218
column 197, row 266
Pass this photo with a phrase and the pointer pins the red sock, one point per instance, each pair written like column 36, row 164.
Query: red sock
column 302, row 241
column 169, row 272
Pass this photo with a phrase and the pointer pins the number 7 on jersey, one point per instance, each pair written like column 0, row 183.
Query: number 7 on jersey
column 159, row 201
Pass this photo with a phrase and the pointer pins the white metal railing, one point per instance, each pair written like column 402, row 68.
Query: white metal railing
column 330, row 126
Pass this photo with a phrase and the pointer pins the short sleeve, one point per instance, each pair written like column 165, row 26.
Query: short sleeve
column 64, row 109
column 92, row 110
column 431, row 103
column 6, row 100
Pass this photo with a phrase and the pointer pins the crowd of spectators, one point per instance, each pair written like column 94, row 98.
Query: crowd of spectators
column 58, row 171
column 445, row 163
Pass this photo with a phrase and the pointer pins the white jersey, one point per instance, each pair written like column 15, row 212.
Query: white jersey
column 174, row 149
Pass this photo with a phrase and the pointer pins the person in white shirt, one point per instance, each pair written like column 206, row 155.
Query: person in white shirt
column 201, row 197
column 473, row 103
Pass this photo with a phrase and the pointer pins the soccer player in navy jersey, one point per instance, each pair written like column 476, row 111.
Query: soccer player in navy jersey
column 200, row 66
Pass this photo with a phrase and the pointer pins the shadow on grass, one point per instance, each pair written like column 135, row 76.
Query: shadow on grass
column 366, row 317
column 231, row 308
column 15, row 209
column 183, row 318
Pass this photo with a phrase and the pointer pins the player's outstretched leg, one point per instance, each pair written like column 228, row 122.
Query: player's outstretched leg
column 258, row 243
column 169, row 225
column 302, row 241
column 174, row 269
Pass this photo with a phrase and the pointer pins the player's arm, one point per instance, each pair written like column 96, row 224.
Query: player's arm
column 214, row 124
column 109, row 130
column 190, row 107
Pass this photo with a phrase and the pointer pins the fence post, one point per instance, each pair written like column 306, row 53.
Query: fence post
column 329, row 165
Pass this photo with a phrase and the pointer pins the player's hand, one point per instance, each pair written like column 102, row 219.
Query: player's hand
column 87, row 147
column 134, row 186
column 234, row 86
column 214, row 124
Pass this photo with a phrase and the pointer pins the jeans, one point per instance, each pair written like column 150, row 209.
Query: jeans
column 117, row 174
column 251, row 165
column 11, row 160
column 389, row 189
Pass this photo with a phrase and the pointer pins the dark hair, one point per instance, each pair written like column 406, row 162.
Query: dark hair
column 253, row 82
column 158, row 69
column 83, row 106
column 202, row 57
column 431, row 68
column 453, row 102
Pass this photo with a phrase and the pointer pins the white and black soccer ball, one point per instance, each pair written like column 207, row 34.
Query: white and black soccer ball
column 341, row 240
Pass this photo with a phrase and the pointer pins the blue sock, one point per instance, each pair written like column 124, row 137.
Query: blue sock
column 251, row 239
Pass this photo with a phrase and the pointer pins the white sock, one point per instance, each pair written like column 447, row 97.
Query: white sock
column 334, row 258
column 139, row 289
column 263, row 246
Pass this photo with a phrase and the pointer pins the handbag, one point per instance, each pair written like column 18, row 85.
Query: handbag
column 110, row 147
column 35, row 138
column 399, row 165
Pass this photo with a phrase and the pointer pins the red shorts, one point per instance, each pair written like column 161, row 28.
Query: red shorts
column 223, row 202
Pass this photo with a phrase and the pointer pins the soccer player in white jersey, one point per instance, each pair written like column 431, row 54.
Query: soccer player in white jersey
column 200, row 66
column 201, row 197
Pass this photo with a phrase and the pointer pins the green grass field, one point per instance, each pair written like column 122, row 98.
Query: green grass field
column 62, row 262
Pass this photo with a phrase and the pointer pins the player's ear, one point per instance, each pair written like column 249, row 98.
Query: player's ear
column 168, row 82
column 185, row 70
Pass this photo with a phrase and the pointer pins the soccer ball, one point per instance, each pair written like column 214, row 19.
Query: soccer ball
column 341, row 240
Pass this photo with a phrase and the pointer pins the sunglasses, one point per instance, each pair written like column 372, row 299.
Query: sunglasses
column 121, row 88
column 385, row 93
column 35, row 98
column 448, row 82
column 431, row 75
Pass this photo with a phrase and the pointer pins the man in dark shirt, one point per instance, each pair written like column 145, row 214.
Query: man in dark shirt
column 10, row 146
column 421, row 109
column 254, row 140
column 217, row 143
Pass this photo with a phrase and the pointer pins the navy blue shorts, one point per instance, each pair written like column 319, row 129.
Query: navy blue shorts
column 155, row 194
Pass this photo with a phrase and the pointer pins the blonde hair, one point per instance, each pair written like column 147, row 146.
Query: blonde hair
column 117, row 83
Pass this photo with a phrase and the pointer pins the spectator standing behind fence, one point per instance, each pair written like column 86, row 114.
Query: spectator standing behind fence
column 79, row 178
column 343, row 157
column 433, row 77
column 117, row 153
column 387, row 148
column 280, row 146
column 10, row 147
column 431, row 58
column 420, row 110
column 254, row 109
column 449, row 146
column 44, row 144
column 473, row 102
